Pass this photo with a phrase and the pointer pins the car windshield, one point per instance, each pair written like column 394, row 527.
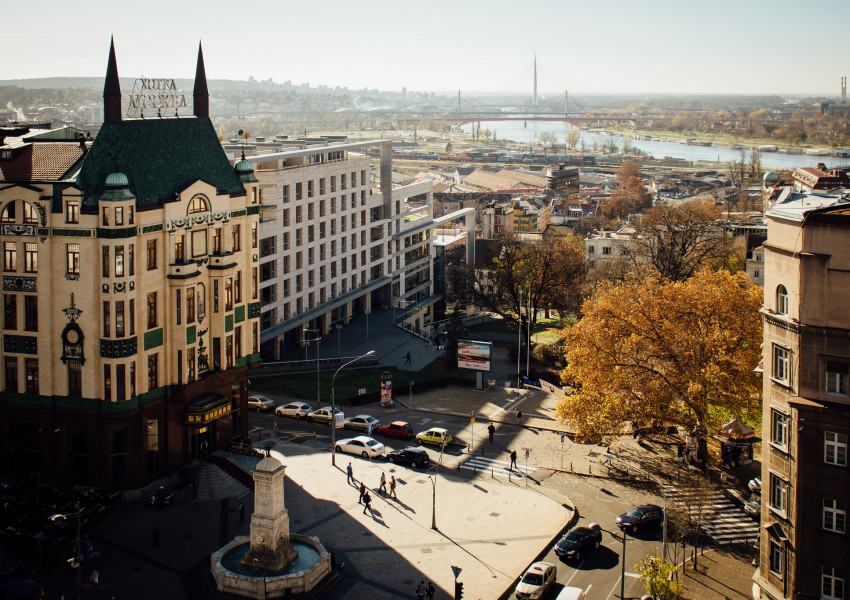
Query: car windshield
column 374, row 443
column 574, row 536
column 635, row 513
column 533, row 578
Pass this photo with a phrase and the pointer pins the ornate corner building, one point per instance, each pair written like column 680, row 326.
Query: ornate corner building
column 130, row 294
column 804, row 544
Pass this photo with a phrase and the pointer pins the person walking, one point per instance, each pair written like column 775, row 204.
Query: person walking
column 155, row 535
column 491, row 431
column 518, row 414
column 513, row 459
column 430, row 591
column 95, row 579
column 407, row 358
column 241, row 512
column 420, row 591
column 362, row 492
column 367, row 500
column 350, row 471
column 392, row 487
column 383, row 487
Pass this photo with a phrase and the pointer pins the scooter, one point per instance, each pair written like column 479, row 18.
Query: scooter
column 160, row 499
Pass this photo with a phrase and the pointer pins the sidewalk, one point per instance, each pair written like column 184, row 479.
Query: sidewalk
column 721, row 575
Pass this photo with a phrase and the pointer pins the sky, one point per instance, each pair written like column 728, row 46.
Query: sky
column 780, row 47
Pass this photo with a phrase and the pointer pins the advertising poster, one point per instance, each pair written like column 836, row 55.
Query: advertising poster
column 387, row 393
column 473, row 355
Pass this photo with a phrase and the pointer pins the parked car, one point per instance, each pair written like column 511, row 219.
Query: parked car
column 396, row 429
column 753, row 508
column 260, row 403
column 361, row 422
column 361, row 445
column 579, row 542
column 646, row 515
column 323, row 415
column 413, row 457
column 298, row 410
column 436, row 435
column 754, row 485
column 536, row 581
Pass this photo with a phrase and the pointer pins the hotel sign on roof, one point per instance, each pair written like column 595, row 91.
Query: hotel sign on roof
column 155, row 94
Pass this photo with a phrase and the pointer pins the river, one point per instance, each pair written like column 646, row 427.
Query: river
column 516, row 131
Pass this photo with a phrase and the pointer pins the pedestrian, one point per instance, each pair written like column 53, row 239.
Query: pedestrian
column 392, row 487
column 367, row 500
column 491, row 431
column 420, row 591
column 241, row 512
column 513, row 459
column 518, row 414
column 95, row 578
column 155, row 534
column 362, row 492
column 407, row 358
column 430, row 591
column 350, row 470
column 383, row 487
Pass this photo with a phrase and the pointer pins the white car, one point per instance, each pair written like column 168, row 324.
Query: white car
column 536, row 581
column 259, row 403
column 324, row 414
column 298, row 410
column 361, row 445
column 361, row 422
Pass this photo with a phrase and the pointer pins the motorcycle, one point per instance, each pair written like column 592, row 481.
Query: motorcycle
column 160, row 498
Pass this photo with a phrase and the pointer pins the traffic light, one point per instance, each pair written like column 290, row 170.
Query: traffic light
column 458, row 590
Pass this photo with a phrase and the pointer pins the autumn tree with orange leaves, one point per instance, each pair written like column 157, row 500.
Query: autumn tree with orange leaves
column 651, row 351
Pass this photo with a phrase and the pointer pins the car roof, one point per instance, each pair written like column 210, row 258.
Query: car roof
column 299, row 403
column 363, row 438
column 438, row 429
column 363, row 416
column 649, row 507
column 399, row 423
column 540, row 565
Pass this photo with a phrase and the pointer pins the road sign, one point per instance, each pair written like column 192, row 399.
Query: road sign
column 456, row 571
column 472, row 420
column 369, row 429
column 527, row 452
column 472, row 414
column 563, row 437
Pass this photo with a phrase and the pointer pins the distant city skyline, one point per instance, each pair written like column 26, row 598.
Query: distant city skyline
column 618, row 47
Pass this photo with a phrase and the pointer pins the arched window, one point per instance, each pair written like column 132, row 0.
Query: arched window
column 8, row 214
column 199, row 204
column 781, row 300
column 30, row 214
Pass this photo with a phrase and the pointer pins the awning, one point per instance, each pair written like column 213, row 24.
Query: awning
column 206, row 408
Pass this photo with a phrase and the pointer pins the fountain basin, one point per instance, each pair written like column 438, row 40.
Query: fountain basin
column 302, row 575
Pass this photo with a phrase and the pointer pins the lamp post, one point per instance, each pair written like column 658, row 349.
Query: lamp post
column 367, row 323
column 317, row 340
column 616, row 458
column 78, row 554
column 333, row 404
column 338, row 326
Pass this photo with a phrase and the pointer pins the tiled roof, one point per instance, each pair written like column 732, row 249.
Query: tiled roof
column 43, row 161
column 160, row 156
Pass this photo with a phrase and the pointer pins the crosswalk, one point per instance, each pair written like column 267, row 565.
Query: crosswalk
column 720, row 519
column 497, row 467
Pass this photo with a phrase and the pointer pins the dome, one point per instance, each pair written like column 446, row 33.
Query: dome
column 117, row 180
column 117, row 187
column 244, row 171
column 770, row 176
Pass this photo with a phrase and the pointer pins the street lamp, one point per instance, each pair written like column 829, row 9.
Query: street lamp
column 367, row 312
column 333, row 404
column 338, row 326
column 616, row 458
column 78, row 554
column 317, row 339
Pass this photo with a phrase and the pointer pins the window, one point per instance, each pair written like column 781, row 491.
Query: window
column 106, row 319
column 10, row 256
column 120, row 383
column 31, row 313
column 190, row 364
column 228, row 351
column 31, row 258
column 781, row 300
column 238, row 288
column 756, row 273
column 202, row 301
column 31, row 374
column 228, row 294
column 216, row 240
column 190, row 305
column 198, row 205
column 776, row 558
column 237, row 340
column 836, row 378
column 215, row 295
column 152, row 446
column 8, row 215
column 119, row 215
column 254, row 283
column 254, row 234
column 178, row 306
column 72, row 263
column 298, row 191
column 119, row 261
column 107, row 383
column 834, row 515
column 835, row 448
column 285, row 194
column 778, row 493
column 151, row 310
column 151, row 255
column 131, row 260
column 72, row 211
column 75, row 378
column 132, row 379
column 131, row 215
column 781, row 364
column 132, row 317
column 10, row 311
column 179, row 249
column 104, row 261
column 310, row 188
column 119, row 319
column 11, row 365
column 153, row 374
column 105, row 219
column 779, row 428
column 236, row 235
column 832, row 583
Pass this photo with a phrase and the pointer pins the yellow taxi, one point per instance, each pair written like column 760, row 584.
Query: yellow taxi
column 436, row 436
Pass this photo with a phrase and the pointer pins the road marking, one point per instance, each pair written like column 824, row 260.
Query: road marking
column 424, row 420
column 635, row 575
column 616, row 583
column 588, row 589
column 576, row 572
column 499, row 467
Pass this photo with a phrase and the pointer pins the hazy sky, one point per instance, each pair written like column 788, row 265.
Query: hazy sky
column 591, row 46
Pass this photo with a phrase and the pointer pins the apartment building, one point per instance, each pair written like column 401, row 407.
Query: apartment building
column 130, row 296
column 337, row 239
column 804, row 546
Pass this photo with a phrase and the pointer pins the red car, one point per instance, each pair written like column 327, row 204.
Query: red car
column 398, row 429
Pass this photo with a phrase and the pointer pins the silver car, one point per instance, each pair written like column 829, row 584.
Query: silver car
column 361, row 422
column 259, row 403
column 293, row 409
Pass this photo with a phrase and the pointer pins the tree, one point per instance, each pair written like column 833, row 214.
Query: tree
column 550, row 270
column 656, row 351
column 630, row 195
column 573, row 138
column 546, row 139
column 677, row 240
column 656, row 575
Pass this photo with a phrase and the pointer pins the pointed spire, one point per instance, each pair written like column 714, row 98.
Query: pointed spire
column 112, row 89
column 201, row 96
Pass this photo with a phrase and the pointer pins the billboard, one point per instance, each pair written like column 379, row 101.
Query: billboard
column 473, row 355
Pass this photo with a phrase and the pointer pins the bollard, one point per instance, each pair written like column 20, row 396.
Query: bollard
column 571, row 466
column 589, row 469
column 314, row 435
column 482, row 450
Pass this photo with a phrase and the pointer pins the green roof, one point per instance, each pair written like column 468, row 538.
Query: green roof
column 160, row 156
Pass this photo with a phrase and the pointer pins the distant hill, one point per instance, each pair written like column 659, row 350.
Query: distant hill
column 96, row 83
